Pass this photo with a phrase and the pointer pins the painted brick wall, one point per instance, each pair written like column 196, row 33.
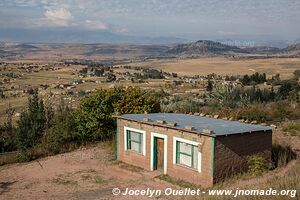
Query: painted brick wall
column 180, row 172
column 231, row 152
column 129, row 156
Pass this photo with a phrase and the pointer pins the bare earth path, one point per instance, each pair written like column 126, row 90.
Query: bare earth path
column 83, row 174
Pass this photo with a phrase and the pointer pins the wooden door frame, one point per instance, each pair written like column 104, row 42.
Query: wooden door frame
column 165, row 138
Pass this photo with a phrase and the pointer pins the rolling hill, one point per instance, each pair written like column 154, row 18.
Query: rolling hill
column 207, row 48
column 203, row 48
column 293, row 48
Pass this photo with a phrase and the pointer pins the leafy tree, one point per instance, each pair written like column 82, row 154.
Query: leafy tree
column 245, row 80
column 136, row 100
column 7, row 132
column 2, row 96
column 296, row 73
column 31, row 123
column 94, row 119
column 62, row 131
column 286, row 87
column 209, row 86
column 254, row 79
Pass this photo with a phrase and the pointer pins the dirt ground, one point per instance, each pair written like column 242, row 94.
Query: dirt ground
column 92, row 173
column 83, row 174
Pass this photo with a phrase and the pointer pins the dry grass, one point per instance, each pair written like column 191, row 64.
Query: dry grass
column 223, row 66
column 292, row 127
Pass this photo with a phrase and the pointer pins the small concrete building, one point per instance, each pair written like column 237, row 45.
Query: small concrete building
column 192, row 148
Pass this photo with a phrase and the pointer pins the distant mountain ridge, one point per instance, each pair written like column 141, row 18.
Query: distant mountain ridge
column 212, row 48
column 203, row 47
column 293, row 49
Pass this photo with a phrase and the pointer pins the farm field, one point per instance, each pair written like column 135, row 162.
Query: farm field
column 223, row 66
column 67, row 74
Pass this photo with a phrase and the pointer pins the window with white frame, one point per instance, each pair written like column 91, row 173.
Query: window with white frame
column 186, row 153
column 134, row 140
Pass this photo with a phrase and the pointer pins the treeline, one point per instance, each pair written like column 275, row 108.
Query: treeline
column 261, row 104
column 44, row 130
column 258, row 78
column 231, row 96
column 253, row 79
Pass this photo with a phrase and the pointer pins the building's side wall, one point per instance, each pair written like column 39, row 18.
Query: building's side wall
column 203, row 178
column 230, row 152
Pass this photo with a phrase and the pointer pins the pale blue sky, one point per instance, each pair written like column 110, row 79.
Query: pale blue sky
column 190, row 19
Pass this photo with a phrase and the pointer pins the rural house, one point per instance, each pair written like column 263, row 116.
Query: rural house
column 192, row 148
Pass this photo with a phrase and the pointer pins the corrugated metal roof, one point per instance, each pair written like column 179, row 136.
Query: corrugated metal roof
column 200, row 124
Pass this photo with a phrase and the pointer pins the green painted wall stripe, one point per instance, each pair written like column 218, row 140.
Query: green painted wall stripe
column 155, row 153
column 117, row 142
column 212, row 156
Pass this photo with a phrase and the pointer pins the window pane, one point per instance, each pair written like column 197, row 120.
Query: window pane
column 136, row 147
column 185, row 160
column 134, row 141
column 187, row 154
column 185, row 148
column 135, row 136
column 195, row 165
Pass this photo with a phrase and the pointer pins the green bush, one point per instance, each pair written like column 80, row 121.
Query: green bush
column 23, row 156
column 62, row 134
column 256, row 164
column 134, row 100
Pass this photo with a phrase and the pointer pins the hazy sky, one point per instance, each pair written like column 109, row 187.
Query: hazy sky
column 190, row 19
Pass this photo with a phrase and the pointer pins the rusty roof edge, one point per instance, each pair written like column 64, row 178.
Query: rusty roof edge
column 164, row 126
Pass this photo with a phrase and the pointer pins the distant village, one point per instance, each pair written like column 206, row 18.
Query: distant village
column 136, row 74
column 90, row 73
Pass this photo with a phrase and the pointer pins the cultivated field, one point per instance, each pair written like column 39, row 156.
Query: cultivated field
column 67, row 74
column 223, row 66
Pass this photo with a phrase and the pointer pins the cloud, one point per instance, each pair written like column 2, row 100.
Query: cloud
column 59, row 17
column 97, row 25
column 189, row 18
